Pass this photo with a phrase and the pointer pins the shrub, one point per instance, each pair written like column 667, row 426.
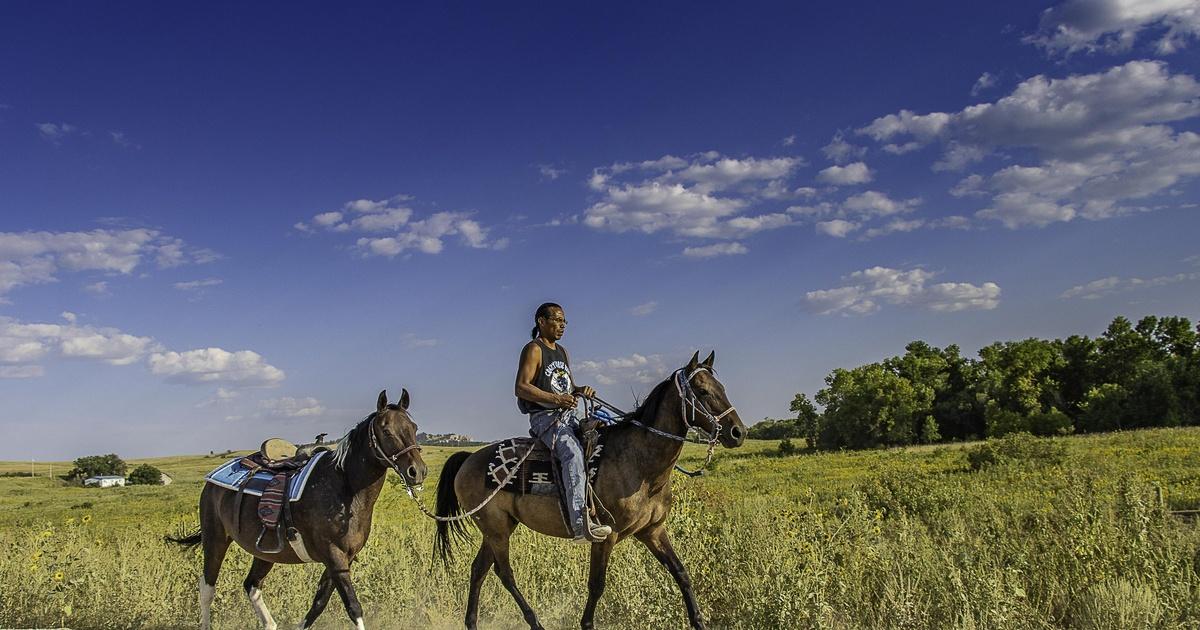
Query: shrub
column 1050, row 422
column 770, row 429
column 146, row 475
column 1017, row 448
column 97, row 465
column 786, row 447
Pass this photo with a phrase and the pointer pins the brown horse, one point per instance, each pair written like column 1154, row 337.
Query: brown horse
column 333, row 517
column 633, row 484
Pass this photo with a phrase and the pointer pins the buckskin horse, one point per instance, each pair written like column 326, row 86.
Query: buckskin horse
column 333, row 516
column 633, row 485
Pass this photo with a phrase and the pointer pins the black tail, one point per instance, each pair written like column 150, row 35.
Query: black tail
column 449, row 532
column 187, row 541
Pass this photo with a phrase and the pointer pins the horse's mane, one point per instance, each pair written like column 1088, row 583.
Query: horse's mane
column 648, row 410
column 345, row 444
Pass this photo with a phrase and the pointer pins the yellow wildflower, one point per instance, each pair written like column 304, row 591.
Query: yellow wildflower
column 58, row 576
column 70, row 520
column 37, row 554
column 33, row 567
column 87, row 518
column 47, row 533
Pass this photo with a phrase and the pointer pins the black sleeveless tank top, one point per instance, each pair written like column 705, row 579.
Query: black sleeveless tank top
column 553, row 375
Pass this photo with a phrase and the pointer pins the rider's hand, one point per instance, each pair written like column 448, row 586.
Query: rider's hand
column 565, row 401
column 585, row 391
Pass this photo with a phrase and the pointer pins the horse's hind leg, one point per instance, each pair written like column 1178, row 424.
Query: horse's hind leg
column 324, row 590
column 504, row 571
column 253, row 586
column 479, row 568
column 215, row 544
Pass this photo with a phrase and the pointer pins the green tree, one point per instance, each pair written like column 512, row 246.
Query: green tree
column 872, row 406
column 1078, row 372
column 146, row 475
column 1019, row 376
column 97, row 465
column 771, row 429
column 808, row 419
column 1103, row 408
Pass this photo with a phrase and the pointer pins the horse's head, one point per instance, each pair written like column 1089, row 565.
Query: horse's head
column 710, row 393
column 395, row 436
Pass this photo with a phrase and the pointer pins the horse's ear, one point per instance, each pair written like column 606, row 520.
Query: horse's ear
column 382, row 402
column 403, row 398
column 711, row 357
column 694, row 362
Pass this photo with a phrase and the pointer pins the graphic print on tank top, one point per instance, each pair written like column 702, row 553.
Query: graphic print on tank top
column 559, row 376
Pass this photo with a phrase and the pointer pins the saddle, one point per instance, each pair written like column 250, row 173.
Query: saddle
column 282, row 460
column 540, row 473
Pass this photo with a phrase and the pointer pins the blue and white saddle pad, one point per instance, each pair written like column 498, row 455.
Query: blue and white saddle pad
column 232, row 474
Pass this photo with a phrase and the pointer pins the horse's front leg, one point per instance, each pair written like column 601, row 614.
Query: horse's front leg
column 324, row 590
column 339, row 570
column 659, row 544
column 596, row 575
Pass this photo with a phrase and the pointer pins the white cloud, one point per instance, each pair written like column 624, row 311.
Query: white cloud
column 411, row 340
column 635, row 369
column 290, row 407
column 984, row 82
column 393, row 216
column 196, row 285
column 836, row 227
column 244, row 368
column 550, row 171
column 1101, row 139
column 788, row 140
column 97, row 288
column 703, row 196
column 39, row 257
column 839, row 151
column 1114, row 284
column 850, row 174
column 716, row 249
column 55, row 133
column 21, row 371
column 1114, row 25
column 873, row 203
column 895, row 225
column 120, row 139
column 642, row 310
column 869, row 288
column 29, row 342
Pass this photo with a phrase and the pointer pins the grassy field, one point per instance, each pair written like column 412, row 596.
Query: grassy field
column 910, row 538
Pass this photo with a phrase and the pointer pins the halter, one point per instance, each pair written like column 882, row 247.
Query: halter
column 377, row 450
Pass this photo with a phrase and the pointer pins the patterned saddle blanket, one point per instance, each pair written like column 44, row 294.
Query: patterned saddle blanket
column 233, row 475
column 536, row 475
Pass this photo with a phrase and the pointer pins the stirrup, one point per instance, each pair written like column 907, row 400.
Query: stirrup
column 278, row 541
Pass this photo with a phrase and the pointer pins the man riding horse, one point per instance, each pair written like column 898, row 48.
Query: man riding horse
column 546, row 392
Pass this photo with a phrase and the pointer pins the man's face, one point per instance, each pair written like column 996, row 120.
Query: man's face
column 554, row 325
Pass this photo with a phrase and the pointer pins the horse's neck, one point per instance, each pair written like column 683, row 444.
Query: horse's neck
column 363, row 471
column 654, row 454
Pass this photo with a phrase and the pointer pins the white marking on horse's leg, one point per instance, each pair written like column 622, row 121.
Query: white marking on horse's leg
column 207, row 592
column 260, row 608
column 358, row 624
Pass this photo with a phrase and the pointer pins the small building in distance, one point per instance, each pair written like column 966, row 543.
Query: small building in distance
column 445, row 439
column 105, row 481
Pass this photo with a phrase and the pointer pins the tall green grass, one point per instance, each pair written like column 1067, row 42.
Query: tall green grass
column 887, row 539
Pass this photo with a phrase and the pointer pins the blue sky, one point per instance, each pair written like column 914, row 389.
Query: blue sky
column 224, row 222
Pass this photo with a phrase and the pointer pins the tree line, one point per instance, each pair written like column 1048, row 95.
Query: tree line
column 1131, row 376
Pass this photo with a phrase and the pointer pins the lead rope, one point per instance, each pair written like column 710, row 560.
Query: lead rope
column 416, row 496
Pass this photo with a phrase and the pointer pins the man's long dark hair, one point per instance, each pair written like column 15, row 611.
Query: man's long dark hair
column 542, row 311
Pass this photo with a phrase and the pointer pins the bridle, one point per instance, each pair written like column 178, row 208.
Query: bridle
column 377, row 449
column 690, row 403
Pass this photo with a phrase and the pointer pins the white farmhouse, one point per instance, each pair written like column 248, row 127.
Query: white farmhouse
column 104, row 481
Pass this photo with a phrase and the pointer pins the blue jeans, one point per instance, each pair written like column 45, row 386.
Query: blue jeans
column 557, row 430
